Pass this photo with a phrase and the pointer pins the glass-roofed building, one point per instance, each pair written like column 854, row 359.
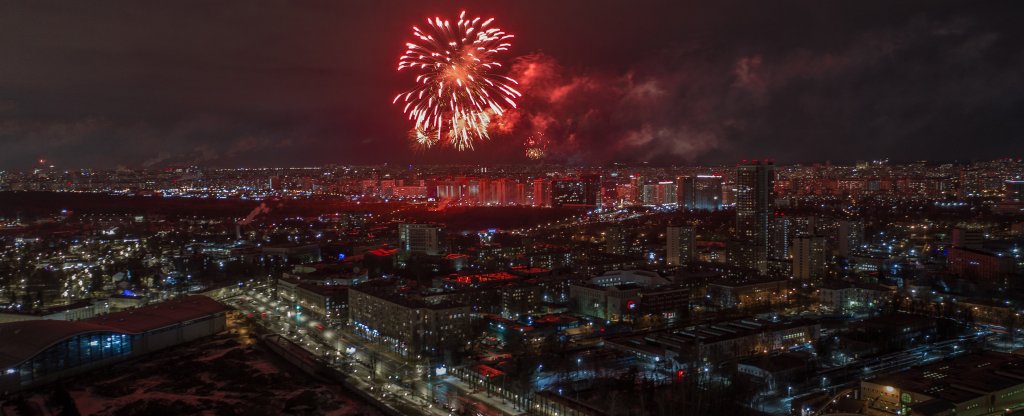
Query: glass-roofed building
column 40, row 351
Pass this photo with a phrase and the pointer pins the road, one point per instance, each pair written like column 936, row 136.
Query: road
column 393, row 379
column 343, row 355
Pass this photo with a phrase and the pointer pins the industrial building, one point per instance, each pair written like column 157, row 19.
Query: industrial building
column 36, row 352
column 974, row 384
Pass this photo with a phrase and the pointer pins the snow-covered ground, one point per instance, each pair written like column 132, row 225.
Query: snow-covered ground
column 218, row 376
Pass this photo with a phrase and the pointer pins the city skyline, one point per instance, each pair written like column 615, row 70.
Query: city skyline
column 269, row 84
column 512, row 208
column 539, row 290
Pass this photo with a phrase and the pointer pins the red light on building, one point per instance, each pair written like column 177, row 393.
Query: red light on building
column 680, row 374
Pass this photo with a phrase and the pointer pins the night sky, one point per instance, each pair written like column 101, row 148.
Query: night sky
column 280, row 83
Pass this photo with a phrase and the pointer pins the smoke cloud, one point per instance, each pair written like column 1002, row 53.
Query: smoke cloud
column 882, row 93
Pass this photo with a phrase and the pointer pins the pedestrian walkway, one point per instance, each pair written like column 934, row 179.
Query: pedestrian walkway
column 478, row 396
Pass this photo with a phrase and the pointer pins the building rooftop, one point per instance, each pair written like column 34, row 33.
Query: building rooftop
column 778, row 362
column 325, row 290
column 737, row 283
column 529, row 271
column 159, row 315
column 692, row 336
column 50, row 310
column 932, row 407
column 842, row 284
column 960, row 379
column 389, row 294
column 472, row 279
column 24, row 339
column 894, row 320
column 382, row 252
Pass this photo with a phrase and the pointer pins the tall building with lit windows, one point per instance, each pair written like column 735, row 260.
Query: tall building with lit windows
column 679, row 245
column 661, row 193
column 636, row 186
column 617, row 240
column 541, row 192
column 421, row 239
column 808, row 257
column 754, row 205
column 850, row 236
column 576, row 192
column 780, row 230
column 700, row 192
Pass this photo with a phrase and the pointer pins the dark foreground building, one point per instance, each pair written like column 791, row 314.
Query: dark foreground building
column 41, row 351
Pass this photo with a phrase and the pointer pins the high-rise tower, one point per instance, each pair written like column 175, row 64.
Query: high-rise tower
column 755, row 181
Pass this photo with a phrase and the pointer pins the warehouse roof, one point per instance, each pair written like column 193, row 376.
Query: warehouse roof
column 25, row 339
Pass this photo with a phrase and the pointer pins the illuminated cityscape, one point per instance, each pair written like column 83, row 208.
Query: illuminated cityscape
column 496, row 287
column 599, row 209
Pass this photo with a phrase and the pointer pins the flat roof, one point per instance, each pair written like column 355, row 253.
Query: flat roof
column 383, row 293
column 738, row 283
column 960, row 379
column 150, row 317
column 25, row 339
column 325, row 290
column 481, row 278
column 50, row 310
column 702, row 334
column 843, row 284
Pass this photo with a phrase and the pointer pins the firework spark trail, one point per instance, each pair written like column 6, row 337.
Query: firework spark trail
column 536, row 146
column 458, row 92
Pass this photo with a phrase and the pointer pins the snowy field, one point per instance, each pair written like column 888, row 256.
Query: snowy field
column 224, row 375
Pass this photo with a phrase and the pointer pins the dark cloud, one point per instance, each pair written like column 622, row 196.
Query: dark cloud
column 886, row 92
column 282, row 83
column 642, row 115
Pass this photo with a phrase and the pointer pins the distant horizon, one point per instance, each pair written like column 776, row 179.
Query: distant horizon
column 527, row 164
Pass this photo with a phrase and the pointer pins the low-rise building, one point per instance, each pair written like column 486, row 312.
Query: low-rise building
column 627, row 296
column 746, row 293
column 293, row 253
column 679, row 348
column 406, row 324
column 849, row 297
column 896, row 331
column 36, row 352
column 123, row 302
column 969, row 385
column 328, row 302
column 72, row 312
column 979, row 264
column 989, row 312
column 775, row 372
